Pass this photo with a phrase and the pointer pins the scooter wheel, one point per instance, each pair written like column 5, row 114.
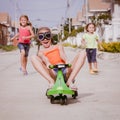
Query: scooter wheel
column 48, row 96
column 75, row 94
column 63, row 100
column 52, row 99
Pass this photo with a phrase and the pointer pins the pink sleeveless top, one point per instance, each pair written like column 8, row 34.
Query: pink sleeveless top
column 24, row 32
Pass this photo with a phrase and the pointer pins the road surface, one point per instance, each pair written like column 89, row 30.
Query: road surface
column 23, row 97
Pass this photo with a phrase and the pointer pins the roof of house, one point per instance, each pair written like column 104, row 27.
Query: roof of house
column 109, row 0
column 106, row 0
column 84, row 11
column 98, row 5
column 5, row 18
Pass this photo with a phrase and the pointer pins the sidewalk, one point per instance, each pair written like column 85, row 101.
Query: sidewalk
column 23, row 97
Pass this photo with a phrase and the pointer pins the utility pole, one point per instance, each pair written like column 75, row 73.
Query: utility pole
column 86, row 7
column 62, row 27
column 15, row 16
column 68, row 7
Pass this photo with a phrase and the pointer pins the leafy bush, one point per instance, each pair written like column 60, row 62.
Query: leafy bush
column 80, row 29
column 117, row 46
column 69, row 45
column 73, row 33
column 113, row 47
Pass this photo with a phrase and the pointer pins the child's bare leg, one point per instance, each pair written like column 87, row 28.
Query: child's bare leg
column 90, row 66
column 77, row 64
column 22, row 59
column 26, row 59
column 95, row 66
column 41, row 68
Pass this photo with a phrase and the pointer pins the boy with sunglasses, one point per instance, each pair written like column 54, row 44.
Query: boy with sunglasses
column 54, row 54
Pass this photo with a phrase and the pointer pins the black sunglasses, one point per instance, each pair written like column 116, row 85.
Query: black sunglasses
column 46, row 35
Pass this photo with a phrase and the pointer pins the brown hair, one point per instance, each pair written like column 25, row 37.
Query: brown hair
column 44, row 28
column 25, row 16
column 88, row 26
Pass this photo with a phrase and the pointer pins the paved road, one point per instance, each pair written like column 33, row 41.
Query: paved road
column 23, row 97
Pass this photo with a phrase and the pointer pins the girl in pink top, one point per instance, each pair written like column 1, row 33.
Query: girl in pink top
column 24, row 36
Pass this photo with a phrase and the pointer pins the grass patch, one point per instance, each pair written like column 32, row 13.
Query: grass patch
column 8, row 48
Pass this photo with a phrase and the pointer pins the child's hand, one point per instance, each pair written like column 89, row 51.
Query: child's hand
column 83, row 46
column 100, row 46
column 11, row 39
column 48, row 66
column 67, row 62
column 23, row 37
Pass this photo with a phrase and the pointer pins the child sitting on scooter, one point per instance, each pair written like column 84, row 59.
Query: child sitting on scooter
column 50, row 54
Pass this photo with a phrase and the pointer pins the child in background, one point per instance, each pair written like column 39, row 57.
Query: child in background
column 24, row 36
column 90, row 41
column 50, row 54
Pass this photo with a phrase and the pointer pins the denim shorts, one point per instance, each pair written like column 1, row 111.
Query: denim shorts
column 91, row 55
column 23, row 46
column 64, row 73
column 63, row 70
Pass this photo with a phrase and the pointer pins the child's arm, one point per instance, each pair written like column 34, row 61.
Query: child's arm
column 31, row 31
column 62, row 53
column 16, row 36
column 44, row 59
column 83, row 43
column 99, row 43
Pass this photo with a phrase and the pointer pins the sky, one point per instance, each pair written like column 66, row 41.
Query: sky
column 49, row 13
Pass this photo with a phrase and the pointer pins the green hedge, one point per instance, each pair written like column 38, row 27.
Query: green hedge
column 113, row 47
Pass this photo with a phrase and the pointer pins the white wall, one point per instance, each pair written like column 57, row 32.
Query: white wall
column 108, row 33
column 116, row 22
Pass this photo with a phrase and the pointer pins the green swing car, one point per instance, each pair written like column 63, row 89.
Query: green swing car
column 60, row 90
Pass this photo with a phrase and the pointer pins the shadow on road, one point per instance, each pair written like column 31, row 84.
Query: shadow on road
column 77, row 100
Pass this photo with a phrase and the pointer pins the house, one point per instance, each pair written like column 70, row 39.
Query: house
column 5, row 18
column 89, row 9
column 5, row 22
column 3, row 34
column 115, row 5
column 98, row 6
